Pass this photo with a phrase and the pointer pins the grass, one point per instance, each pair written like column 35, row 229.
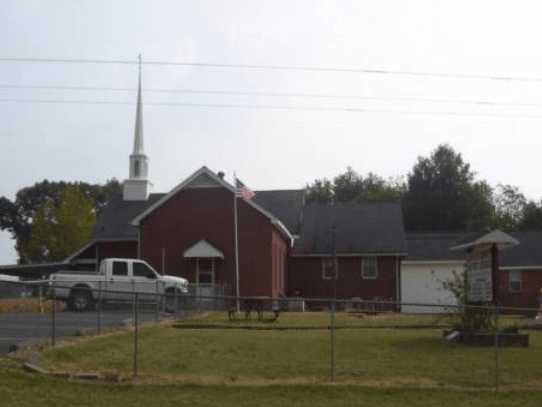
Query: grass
column 314, row 319
column 367, row 356
column 30, row 304
column 18, row 389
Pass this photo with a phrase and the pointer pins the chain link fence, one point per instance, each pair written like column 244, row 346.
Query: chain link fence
column 215, row 334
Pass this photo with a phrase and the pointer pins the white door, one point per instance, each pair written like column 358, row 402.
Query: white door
column 146, row 282
column 424, row 283
column 119, row 285
column 205, row 278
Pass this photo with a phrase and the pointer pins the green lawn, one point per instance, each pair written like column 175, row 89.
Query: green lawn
column 364, row 355
column 18, row 389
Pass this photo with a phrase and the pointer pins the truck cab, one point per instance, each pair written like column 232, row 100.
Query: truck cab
column 118, row 280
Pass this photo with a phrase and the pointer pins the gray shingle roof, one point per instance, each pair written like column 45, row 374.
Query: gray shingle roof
column 527, row 253
column 433, row 246
column 115, row 217
column 368, row 227
column 285, row 204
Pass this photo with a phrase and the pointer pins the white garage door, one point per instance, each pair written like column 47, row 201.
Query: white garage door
column 422, row 283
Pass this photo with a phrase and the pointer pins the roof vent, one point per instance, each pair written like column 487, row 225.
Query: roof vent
column 221, row 174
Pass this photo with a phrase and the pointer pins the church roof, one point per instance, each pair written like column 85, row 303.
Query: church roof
column 114, row 220
column 285, row 204
column 360, row 228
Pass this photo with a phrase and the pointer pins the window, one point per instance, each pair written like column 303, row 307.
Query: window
column 136, row 168
column 328, row 269
column 120, row 268
column 206, row 271
column 369, row 268
column 514, row 281
column 142, row 270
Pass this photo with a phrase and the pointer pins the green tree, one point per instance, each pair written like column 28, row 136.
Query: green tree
column 58, row 231
column 509, row 205
column 444, row 195
column 531, row 218
column 351, row 186
column 320, row 191
column 17, row 216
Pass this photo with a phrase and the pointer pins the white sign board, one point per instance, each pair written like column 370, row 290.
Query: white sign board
column 479, row 276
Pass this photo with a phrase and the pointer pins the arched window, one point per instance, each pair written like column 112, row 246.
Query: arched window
column 136, row 168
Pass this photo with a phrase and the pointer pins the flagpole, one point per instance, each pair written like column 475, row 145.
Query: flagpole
column 236, row 234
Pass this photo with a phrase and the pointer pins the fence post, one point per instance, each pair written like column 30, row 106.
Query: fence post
column 332, row 340
column 41, row 298
column 99, row 309
column 176, row 303
column 496, row 343
column 157, row 298
column 53, row 314
column 135, row 317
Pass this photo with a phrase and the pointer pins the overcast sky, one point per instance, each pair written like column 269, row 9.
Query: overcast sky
column 269, row 148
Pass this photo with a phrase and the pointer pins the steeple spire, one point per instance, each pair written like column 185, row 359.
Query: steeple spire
column 137, row 186
column 138, row 133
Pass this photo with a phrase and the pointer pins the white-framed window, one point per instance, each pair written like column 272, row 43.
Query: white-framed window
column 328, row 269
column 369, row 268
column 205, row 270
column 514, row 281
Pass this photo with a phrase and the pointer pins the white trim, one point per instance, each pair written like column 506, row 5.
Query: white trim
column 349, row 255
column 437, row 262
column 526, row 268
column 495, row 237
column 78, row 252
column 363, row 260
column 520, row 281
column 212, row 270
column 182, row 185
column 202, row 249
column 204, row 170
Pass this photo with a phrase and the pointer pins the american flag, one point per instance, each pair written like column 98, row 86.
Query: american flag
column 242, row 189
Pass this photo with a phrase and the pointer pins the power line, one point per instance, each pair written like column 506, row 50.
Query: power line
column 280, row 107
column 478, row 102
column 375, row 71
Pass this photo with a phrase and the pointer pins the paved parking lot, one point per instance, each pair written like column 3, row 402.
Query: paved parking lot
column 16, row 328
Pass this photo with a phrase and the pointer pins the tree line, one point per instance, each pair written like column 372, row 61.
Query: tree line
column 440, row 193
column 50, row 220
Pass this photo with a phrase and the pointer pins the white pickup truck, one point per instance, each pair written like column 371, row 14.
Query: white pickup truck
column 116, row 281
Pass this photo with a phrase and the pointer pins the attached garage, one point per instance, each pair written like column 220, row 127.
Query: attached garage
column 429, row 265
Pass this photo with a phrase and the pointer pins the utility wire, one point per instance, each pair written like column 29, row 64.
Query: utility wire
column 478, row 102
column 279, row 107
column 420, row 74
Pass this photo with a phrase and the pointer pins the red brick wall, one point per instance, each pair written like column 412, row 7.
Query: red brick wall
column 207, row 213
column 305, row 275
column 117, row 249
column 530, row 289
column 279, row 263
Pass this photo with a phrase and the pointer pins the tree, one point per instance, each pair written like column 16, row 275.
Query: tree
column 58, row 231
column 443, row 194
column 532, row 216
column 320, row 191
column 509, row 205
column 17, row 216
column 350, row 186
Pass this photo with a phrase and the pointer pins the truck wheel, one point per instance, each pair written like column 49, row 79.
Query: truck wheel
column 80, row 300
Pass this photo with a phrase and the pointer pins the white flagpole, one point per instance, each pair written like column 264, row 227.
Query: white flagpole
column 236, row 234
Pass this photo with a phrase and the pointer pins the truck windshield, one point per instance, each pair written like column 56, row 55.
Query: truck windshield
column 142, row 270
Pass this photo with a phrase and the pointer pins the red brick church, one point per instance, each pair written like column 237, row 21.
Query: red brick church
column 265, row 243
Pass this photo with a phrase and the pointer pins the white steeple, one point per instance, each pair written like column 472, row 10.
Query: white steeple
column 137, row 186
